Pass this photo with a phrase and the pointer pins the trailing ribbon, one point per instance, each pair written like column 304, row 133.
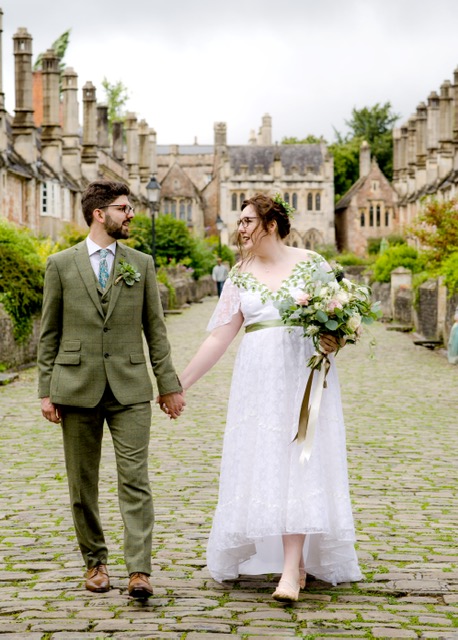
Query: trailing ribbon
column 308, row 417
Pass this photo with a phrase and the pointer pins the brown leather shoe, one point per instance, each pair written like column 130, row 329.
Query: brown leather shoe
column 97, row 579
column 140, row 586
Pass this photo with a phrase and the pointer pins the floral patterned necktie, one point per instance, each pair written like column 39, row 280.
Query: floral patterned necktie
column 103, row 268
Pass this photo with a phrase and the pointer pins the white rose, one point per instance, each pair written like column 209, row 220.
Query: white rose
column 354, row 322
column 342, row 297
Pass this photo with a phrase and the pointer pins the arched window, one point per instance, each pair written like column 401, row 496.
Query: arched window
column 286, row 196
column 189, row 208
column 309, row 202
column 242, row 198
column 234, row 202
column 294, row 202
column 387, row 217
column 173, row 208
column 318, row 202
column 378, row 215
column 182, row 210
column 371, row 216
column 363, row 219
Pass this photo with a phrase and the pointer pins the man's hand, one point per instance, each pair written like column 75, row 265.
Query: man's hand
column 50, row 411
column 172, row 404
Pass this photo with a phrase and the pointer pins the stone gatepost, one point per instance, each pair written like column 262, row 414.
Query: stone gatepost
column 401, row 295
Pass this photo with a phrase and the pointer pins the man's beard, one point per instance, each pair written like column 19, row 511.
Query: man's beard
column 115, row 230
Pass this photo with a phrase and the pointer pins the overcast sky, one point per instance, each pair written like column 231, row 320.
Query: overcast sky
column 190, row 63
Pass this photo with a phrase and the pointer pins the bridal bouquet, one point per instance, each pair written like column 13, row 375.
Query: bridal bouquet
column 326, row 304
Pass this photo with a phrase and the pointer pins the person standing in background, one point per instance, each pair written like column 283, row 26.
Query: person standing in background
column 219, row 275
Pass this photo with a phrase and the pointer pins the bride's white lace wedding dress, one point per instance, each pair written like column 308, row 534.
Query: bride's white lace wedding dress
column 265, row 491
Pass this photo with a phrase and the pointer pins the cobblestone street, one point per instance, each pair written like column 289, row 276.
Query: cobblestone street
column 401, row 414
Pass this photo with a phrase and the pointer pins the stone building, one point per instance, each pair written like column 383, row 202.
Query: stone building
column 368, row 209
column 203, row 182
column 425, row 155
column 43, row 169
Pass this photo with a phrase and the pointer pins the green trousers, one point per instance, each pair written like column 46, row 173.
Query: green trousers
column 129, row 426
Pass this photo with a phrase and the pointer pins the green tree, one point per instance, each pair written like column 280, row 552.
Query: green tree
column 310, row 139
column 436, row 229
column 375, row 125
column 346, row 165
column 401, row 255
column 60, row 47
column 117, row 95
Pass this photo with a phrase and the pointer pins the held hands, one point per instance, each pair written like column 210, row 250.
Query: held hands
column 329, row 344
column 172, row 404
column 50, row 411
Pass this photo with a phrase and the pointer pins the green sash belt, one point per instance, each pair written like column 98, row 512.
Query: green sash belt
column 265, row 324
column 310, row 406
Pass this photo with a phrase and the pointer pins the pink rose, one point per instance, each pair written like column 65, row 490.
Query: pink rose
column 333, row 305
column 303, row 299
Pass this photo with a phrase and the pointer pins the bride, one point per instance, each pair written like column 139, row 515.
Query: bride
column 274, row 514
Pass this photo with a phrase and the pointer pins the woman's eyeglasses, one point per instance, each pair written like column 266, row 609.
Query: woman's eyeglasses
column 245, row 222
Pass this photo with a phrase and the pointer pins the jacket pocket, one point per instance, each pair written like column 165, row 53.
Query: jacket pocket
column 68, row 358
column 72, row 345
column 137, row 358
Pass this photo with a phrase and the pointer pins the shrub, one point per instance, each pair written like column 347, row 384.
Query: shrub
column 398, row 256
column 71, row 235
column 347, row 259
column 449, row 269
column 21, row 279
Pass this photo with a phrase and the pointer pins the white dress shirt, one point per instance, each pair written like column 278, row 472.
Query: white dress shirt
column 94, row 255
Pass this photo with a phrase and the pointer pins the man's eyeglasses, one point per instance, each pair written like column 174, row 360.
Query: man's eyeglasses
column 125, row 208
column 245, row 222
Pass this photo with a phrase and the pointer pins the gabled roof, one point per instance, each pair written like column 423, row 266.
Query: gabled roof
column 188, row 189
column 303, row 156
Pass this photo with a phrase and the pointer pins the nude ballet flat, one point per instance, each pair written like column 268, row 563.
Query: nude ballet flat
column 286, row 592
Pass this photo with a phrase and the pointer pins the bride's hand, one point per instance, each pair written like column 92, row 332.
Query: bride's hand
column 329, row 344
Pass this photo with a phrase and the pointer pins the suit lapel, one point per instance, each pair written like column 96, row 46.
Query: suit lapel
column 121, row 254
column 84, row 266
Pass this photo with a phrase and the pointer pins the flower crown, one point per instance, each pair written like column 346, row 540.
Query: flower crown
column 289, row 210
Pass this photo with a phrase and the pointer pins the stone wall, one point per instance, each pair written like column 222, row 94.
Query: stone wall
column 11, row 353
column 426, row 310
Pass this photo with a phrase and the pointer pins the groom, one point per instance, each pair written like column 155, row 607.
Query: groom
column 98, row 297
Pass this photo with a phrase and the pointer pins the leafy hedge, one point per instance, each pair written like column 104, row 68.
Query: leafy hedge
column 21, row 277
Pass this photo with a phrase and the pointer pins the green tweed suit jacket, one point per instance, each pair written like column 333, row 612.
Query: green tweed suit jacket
column 82, row 348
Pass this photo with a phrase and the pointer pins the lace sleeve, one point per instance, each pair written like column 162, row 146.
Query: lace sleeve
column 228, row 305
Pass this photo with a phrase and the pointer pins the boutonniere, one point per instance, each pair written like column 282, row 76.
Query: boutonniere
column 128, row 273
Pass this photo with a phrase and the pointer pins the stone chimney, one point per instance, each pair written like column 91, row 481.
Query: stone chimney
column 220, row 134
column 432, row 122
column 445, row 154
column 144, row 161
column 89, row 155
column 455, row 119
column 132, row 159
column 396, row 153
column 421, row 135
column 51, row 133
column 103, row 140
column 3, row 138
column 364, row 159
column 24, row 134
column 71, row 147
column 252, row 140
column 153, row 151
column 411, row 145
column 265, row 137
column 118, row 140
column 445, row 122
